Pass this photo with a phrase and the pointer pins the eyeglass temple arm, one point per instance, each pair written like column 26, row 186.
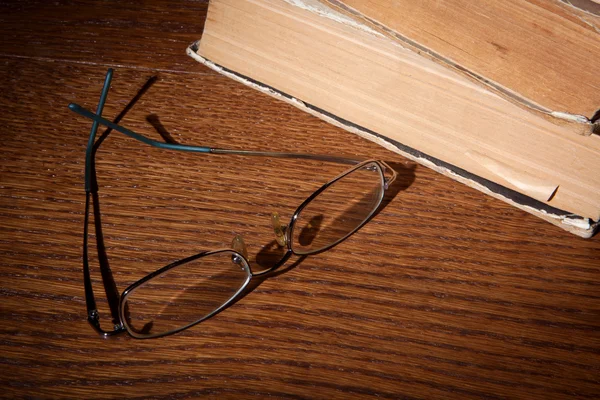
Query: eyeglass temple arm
column 390, row 173
column 201, row 149
column 89, row 154
column 90, row 188
column 90, row 301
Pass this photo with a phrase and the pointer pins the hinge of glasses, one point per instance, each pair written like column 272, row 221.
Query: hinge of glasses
column 94, row 320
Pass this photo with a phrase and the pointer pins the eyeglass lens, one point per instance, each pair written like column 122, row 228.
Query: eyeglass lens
column 192, row 291
column 185, row 294
column 339, row 210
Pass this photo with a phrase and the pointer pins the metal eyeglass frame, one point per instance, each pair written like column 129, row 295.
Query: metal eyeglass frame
column 91, row 188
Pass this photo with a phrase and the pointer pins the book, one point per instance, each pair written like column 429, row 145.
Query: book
column 352, row 70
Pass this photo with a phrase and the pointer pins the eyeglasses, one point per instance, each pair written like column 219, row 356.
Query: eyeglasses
column 195, row 288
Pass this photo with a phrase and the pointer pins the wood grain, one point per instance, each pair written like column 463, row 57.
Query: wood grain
column 447, row 293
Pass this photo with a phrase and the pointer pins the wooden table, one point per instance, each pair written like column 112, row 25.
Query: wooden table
column 446, row 293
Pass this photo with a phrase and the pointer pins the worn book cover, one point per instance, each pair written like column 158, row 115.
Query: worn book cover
column 358, row 69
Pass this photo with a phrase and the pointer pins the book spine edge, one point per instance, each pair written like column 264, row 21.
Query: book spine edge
column 577, row 225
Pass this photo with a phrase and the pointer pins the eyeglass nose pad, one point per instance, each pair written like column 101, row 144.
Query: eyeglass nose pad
column 239, row 246
column 279, row 229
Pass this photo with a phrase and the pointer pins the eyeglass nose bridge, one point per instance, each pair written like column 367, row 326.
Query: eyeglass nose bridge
column 239, row 246
column 279, row 229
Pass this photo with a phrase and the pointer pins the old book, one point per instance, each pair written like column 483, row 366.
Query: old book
column 358, row 69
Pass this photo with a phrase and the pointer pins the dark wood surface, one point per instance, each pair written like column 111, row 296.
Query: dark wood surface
column 446, row 293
